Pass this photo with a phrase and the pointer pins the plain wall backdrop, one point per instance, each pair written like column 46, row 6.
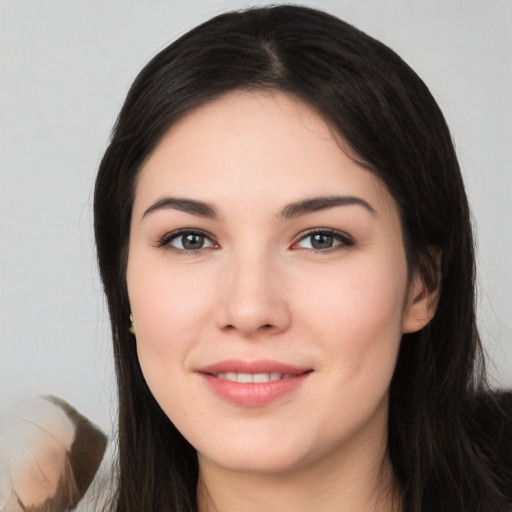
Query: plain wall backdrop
column 65, row 67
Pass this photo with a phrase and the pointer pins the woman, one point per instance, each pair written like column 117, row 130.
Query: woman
column 281, row 215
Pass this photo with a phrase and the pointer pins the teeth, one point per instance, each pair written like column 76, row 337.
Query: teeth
column 246, row 378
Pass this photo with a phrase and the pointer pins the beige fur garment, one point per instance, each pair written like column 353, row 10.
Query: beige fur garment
column 49, row 454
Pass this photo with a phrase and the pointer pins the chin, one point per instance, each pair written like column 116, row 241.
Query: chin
column 256, row 461
column 255, row 452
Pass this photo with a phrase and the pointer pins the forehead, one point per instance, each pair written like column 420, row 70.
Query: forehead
column 253, row 145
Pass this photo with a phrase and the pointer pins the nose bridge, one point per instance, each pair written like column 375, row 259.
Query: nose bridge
column 253, row 298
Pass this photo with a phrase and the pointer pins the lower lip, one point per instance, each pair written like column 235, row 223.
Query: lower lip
column 253, row 394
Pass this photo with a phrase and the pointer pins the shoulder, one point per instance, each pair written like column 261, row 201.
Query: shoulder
column 490, row 427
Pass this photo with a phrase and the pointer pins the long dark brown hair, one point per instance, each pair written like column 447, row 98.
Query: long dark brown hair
column 388, row 117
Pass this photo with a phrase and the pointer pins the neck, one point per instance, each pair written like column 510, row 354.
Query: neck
column 358, row 480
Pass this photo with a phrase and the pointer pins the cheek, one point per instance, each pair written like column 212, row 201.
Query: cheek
column 357, row 315
column 355, row 318
column 170, row 309
column 164, row 296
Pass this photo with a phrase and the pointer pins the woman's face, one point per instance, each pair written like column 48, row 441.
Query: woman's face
column 269, row 286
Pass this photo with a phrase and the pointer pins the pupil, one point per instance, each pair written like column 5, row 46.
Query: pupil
column 320, row 241
column 193, row 241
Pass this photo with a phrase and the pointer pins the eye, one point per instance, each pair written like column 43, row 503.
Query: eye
column 186, row 241
column 324, row 240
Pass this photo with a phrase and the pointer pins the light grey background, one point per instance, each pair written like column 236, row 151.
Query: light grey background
column 65, row 66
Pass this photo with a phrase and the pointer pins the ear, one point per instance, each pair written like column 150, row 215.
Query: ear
column 424, row 291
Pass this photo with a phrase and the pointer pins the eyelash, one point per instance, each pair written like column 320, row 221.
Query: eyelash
column 343, row 239
column 338, row 236
column 165, row 241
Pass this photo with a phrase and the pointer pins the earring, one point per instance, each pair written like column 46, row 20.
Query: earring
column 132, row 324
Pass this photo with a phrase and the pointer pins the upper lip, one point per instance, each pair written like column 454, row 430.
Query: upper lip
column 259, row 366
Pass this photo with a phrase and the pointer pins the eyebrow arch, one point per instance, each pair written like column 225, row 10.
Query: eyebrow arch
column 191, row 206
column 315, row 204
column 293, row 210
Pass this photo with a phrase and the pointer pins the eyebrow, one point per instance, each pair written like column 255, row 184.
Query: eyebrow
column 191, row 206
column 316, row 204
column 291, row 211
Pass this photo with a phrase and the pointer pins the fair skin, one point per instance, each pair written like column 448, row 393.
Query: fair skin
column 247, row 284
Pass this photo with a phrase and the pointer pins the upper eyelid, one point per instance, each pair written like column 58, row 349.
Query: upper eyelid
column 165, row 241
column 171, row 235
column 330, row 231
column 345, row 240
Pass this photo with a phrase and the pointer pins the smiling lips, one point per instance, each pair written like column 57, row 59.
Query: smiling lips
column 253, row 384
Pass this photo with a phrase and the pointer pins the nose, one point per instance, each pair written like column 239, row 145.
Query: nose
column 253, row 299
